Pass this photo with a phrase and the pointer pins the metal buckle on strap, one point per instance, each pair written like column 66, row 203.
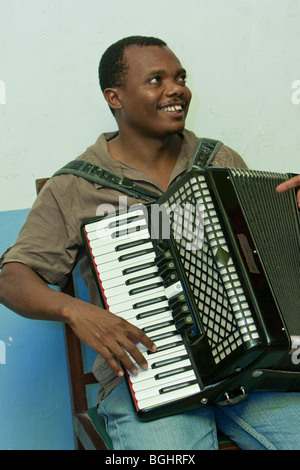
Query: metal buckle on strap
column 234, row 400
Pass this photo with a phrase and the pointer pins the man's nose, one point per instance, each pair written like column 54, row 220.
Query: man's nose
column 174, row 88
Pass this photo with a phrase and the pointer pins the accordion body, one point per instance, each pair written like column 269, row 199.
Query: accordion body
column 220, row 290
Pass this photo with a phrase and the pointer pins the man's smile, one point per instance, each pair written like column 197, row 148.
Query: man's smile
column 172, row 109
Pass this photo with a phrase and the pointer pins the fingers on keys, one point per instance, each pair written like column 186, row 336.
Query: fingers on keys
column 128, row 354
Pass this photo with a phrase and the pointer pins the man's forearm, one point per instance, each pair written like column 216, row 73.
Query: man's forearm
column 24, row 292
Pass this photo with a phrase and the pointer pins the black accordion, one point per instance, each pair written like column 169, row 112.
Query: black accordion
column 211, row 272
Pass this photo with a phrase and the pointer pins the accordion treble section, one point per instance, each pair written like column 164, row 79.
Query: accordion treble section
column 212, row 273
column 244, row 249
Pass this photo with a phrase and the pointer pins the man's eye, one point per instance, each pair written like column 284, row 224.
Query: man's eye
column 155, row 80
column 183, row 78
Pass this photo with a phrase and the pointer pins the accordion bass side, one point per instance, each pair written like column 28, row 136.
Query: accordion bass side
column 212, row 273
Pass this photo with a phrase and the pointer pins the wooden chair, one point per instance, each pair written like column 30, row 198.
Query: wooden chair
column 89, row 428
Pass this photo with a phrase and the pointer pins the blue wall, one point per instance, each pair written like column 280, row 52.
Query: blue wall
column 35, row 410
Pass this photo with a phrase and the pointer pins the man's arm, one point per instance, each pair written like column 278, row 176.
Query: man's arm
column 292, row 183
column 24, row 292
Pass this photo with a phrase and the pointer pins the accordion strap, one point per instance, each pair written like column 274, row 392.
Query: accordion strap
column 204, row 154
column 107, row 178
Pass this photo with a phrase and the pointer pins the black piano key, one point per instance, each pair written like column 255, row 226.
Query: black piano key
column 125, row 221
column 138, row 290
column 134, row 269
column 135, row 254
column 170, row 360
column 150, row 313
column 163, row 335
column 127, row 231
column 171, row 388
column 141, row 278
column 166, row 346
column 163, row 375
column 158, row 326
column 146, row 303
column 125, row 246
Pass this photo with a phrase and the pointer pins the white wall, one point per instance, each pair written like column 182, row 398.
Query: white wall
column 242, row 58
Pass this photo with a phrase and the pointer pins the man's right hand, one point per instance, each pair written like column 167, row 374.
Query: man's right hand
column 110, row 335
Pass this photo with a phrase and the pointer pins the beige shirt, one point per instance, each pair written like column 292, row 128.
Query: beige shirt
column 50, row 238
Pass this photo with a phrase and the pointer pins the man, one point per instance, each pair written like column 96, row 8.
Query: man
column 144, row 85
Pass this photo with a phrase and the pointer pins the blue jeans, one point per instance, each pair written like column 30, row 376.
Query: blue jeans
column 265, row 421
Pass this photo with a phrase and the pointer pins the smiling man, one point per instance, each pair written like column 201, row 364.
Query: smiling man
column 145, row 87
column 150, row 108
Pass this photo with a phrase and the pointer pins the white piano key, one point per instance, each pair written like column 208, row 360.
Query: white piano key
column 159, row 333
column 162, row 357
column 166, row 341
column 150, row 373
column 118, row 267
column 130, row 304
column 128, row 271
column 107, row 221
column 132, row 298
column 169, row 349
column 155, row 326
column 160, row 361
column 110, row 241
column 119, row 289
column 146, row 388
column 119, row 255
column 158, row 356
column 109, row 244
column 160, row 399
column 147, row 307
column 148, row 321
column 106, row 224
column 130, row 279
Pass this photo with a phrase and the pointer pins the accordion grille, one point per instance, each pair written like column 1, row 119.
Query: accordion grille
column 274, row 224
column 209, row 269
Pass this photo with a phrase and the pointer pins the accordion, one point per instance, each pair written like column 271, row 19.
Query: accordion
column 211, row 272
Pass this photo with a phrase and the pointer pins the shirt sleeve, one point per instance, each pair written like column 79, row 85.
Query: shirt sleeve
column 49, row 240
column 227, row 157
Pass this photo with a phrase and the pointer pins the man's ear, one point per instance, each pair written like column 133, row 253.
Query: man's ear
column 112, row 97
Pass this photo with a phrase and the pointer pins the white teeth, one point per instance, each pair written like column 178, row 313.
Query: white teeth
column 172, row 108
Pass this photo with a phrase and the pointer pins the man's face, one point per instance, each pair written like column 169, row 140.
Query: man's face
column 154, row 97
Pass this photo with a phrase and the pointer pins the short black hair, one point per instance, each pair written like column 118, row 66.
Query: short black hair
column 112, row 67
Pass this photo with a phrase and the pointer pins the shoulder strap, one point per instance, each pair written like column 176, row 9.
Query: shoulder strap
column 107, row 178
column 205, row 152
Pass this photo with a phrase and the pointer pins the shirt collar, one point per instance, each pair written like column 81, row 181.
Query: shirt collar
column 100, row 148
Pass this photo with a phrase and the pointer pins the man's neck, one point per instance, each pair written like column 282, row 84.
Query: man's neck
column 155, row 157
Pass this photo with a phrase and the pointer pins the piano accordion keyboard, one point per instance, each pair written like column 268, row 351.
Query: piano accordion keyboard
column 124, row 260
